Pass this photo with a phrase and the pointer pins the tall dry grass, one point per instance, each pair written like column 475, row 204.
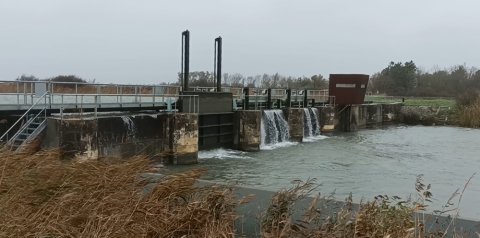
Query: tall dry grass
column 469, row 115
column 41, row 196
column 384, row 217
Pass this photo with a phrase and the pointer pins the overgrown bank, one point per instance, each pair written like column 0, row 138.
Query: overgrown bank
column 41, row 196
column 464, row 111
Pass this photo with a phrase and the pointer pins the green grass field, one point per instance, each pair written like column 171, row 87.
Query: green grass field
column 413, row 101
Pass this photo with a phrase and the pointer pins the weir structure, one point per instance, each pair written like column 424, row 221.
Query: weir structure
column 231, row 118
column 173, row 122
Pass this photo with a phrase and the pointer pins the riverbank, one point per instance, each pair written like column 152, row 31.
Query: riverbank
column 42, row 196
column 428, row 115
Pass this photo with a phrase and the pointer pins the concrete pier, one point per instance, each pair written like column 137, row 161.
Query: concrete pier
column 247, row 134
column 294, row 118
column 327, row 118
column 184, row 144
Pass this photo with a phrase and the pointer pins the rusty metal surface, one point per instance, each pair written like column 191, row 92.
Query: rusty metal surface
column 348, row 88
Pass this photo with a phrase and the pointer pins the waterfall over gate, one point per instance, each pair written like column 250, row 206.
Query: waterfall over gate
column 311, row 125
column 274, row 127
column 129, row 125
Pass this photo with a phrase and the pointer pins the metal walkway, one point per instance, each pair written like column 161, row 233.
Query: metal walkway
column 21, row 95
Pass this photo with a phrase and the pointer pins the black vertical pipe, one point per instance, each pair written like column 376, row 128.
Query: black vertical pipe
column 289, row 97
column 218, row 45
column 305, row 98
column 186, row 58
column 269, row 98
column 246, row 102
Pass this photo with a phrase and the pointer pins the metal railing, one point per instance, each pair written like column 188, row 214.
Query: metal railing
column 190, row 103
column 25, row 117
column 16, row 95
column 22, row 93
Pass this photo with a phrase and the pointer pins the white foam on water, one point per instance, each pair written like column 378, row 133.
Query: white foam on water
column 314, row 138
column 277, row 145
column 222, row 154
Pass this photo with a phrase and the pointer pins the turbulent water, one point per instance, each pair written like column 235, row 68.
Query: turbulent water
column 310, row 122
column 129, row 125
column 366, row 163
column 274, row 129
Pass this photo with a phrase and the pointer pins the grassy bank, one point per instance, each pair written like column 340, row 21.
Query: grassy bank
column 413, row 101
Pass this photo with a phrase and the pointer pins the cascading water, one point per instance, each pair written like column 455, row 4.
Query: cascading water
column 129, row 125
column 274, row 127
column 311, row 125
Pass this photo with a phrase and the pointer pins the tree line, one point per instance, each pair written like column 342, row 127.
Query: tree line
column 406, row 79
column 397, row 79
column 207, row 79
column 59, row 78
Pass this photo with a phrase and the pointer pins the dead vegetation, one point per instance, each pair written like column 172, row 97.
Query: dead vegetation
column 469, row 115
column 384, row 217
column 41, row 196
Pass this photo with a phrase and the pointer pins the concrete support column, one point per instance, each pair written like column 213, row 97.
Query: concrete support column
column 358, row 117
column 328, row 120
column 247, row 134
column 295, row 122
column 184, row 139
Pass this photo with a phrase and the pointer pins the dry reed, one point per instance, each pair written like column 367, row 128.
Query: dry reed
column 469, row 115
column 41, row 196
column 384, row 217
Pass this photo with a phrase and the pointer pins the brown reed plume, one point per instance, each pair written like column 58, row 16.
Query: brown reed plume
column 42, row 196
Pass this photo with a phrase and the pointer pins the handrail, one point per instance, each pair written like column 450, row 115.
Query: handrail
column 24, row 114
column 88, row 83
column 25, row 126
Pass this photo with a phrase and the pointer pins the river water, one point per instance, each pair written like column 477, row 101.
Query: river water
column 365, row 163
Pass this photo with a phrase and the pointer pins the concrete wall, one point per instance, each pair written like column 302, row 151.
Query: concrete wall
column 76, row 138
column 375, row 115
column 184, row 147
column 354, row 117
column 173, row 138
column 210, row 102
column 391, row 112
column 358, row 117
column 294, row 118
column 247, row 134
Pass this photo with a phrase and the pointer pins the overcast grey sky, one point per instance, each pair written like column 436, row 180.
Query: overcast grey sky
column 127, row 41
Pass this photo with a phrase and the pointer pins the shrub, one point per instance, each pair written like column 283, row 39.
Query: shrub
column 469, row 115
column 467, row 98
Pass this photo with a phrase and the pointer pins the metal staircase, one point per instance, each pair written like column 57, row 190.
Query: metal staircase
column 30, row 124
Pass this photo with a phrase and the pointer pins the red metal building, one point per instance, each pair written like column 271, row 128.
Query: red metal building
column 348, row 88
